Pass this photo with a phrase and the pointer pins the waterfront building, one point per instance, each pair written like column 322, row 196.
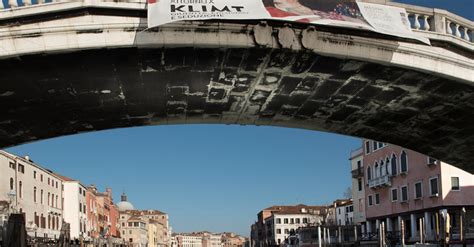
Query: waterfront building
column 336, row 213
column 75, row 203
column 210, row 239
column 189, row 240
column 344, row 213
column 134, row 230
column 103, row 216
column 34, row 191
column 233, row 240
column 275, row 223
column 92, row 213
column 157, row 229
column 358, row 188
column 406, row 187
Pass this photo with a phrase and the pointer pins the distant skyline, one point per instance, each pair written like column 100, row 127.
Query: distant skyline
column 211, row 177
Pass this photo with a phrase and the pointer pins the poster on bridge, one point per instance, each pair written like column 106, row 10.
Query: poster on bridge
column 343, row 13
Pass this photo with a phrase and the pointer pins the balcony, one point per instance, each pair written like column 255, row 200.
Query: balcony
column 357, row 173
column 380, row 182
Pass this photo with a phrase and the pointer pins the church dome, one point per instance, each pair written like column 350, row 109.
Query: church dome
column 124, row 205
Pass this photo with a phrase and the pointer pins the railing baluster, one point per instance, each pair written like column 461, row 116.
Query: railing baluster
column 458, row 33
column 449, row 30
column 427, row 26
column 417, row 22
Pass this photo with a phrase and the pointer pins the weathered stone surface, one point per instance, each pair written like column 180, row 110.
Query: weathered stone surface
column 44, row 96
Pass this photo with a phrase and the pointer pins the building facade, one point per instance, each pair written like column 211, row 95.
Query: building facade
column 75, row 204
column 34, row 191
column 409, row 188
column 344, row 213
column 276, row 223
column 358, row 188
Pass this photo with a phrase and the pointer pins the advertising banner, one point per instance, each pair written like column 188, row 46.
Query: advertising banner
column 344, row 13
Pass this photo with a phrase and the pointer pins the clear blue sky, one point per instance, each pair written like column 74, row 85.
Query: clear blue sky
column 206, row 177
column 211, row 177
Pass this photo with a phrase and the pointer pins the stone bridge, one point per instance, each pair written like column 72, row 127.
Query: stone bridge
column 68, row 67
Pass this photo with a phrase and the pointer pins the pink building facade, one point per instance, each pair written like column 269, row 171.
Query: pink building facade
column 409, row 188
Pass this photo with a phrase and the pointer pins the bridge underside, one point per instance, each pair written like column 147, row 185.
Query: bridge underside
column 44, row 96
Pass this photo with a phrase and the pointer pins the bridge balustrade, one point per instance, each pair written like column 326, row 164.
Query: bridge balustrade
column 427, row 21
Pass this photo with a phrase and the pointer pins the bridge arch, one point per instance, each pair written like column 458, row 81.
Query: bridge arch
column 91, row 67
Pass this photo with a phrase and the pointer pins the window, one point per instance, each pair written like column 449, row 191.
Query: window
column 382, row 168
column 404, row 193
column 434, row 186
column 394, row 195
column 285, row 221
column 418, row 190
column 455, row 183
column 370, row 200
column 367, row 147
column 41, row 198
column 80, row 191
column 297, row 220
column 305, row 220
column 278, row 231
column 12, row 184
column 278, row 221
column 432, row 161
column 393, row 162
column 34, row 194
column 20, row 189
column 359, row 165
column 403, row 162
column 34, row 174
column 375, row 145
column 377, row 199
column 376, row 170
column 41, row 177
column 287, row 231
column 292, row 221
column 80, row 207
column 339, row 209
column 359, row 184
column 12, row 165
column 21, row 168
column 369, row 173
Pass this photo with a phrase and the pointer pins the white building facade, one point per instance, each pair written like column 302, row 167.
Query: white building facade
column 282, row 224
column 75, row 212
column 345, row 214
column 34, row 191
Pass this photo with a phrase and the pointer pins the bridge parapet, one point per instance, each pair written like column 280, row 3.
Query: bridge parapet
column 436, row 24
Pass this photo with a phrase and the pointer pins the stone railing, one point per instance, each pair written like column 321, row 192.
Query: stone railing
column 433, row 23
column 438, row 21
column 380, row 181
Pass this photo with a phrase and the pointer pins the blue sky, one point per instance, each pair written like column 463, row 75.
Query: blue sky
column 211, row 177
column 206, row 177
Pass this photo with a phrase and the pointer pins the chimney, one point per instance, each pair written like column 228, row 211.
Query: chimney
column 27, row 157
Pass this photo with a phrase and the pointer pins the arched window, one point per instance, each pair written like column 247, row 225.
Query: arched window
column 369, row 173
column 403, row 162
column 394, row 165
column 11, row 183
column 382, row 168
column 34, row 194
column 387, row 166
column 376, row 172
